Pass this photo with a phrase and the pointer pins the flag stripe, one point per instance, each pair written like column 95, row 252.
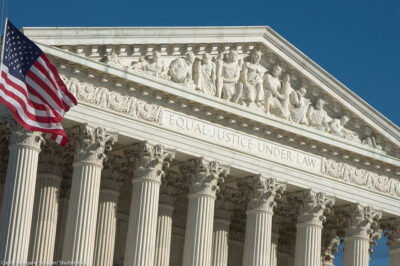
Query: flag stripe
column 31, row 87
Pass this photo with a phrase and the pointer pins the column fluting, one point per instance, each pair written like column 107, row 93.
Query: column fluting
column 310, row 217
column 168, row 193
column 393, row 235
column 203, row 177
column 45, row 215
column 91, row 145
column 261, row 193
column 274, row 241
column 19, row 193
column 361, row 222
column 111, row 181
column 148, row 163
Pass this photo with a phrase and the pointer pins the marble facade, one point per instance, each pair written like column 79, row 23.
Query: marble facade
column 197, row 147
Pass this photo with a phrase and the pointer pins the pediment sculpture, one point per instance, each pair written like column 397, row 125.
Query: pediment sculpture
column 245, row 81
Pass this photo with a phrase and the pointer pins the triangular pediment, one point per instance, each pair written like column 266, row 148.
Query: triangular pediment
column 196, row 67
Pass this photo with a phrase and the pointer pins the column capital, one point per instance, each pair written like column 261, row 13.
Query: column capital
column 112, row 175
column 262, row 192
column 226, row 199
column 92, row 144
column 51, row 159
column 359, row 220
column 148, row 161
column 393, row 232
column 203, row 175
column 330, row 243
column 311, row 206
column 19, row 136
column 170, row 187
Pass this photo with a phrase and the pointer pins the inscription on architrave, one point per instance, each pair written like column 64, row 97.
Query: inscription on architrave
column 239, row 141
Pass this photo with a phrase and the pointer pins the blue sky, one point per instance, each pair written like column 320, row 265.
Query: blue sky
column 356, row 41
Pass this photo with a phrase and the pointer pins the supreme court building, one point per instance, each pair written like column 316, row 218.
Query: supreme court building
column 203, row 146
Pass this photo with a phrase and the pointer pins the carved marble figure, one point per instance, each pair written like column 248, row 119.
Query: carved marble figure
column 180, row 69
column 337, row 128
column 252, row 79
column 318, row 117
column 153, row 65
column 273, row 96
column 299, row 105
column 204, row 75
column 228, row 86
column 286, row 91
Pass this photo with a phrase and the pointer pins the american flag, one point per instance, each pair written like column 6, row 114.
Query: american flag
column 31, row 87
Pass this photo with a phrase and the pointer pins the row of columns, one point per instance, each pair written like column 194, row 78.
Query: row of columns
column 89, row 235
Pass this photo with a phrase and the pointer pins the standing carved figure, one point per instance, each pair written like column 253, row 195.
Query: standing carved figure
column 204, row 75
column 299, row 106
column 286, row 91
column 318, row 117
column 273, row 96
column 252, row 79
column 180, row 69
column 229, row 87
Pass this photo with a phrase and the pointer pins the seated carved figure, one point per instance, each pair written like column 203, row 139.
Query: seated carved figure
column 318, row 117
column 273, row 95
column 154, row 65
column 299, row 106
column 337, row 128
column 228, row 74
column 111, row 58
column 180, row 69
column 204, row 75
column 252, row 80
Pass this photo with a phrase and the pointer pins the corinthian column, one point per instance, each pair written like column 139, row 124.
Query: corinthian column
column 276, row 220
column 310, row 217
column 393, row 235
column 44, row 221
column 203, row 177
column 19, row 193
column 222, row 221
column 330, row 242
column 361, row 223
column 168, row 193
column 261, row 193
column 92, row 145
column 111, row 182
column 148, row 161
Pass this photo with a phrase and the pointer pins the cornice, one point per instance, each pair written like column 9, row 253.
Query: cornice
column 174, row 94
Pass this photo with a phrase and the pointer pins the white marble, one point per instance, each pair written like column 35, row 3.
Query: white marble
column 45, row 215
column 19, row 190
column 91, row 146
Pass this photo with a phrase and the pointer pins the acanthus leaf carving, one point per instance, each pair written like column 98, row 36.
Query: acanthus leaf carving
column 172, row 185
column 227, row 198
column 312, row 206
column 393, row 232
column 18, row 135
column 261, row 192
column 148, row 161
column 112, row 175
column 203, row 176
column 92, row 144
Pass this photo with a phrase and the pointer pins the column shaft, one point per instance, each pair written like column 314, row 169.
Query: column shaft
column 106, row 228
column 199, row 230
column 44, row 222
column 220, row 242
column 82, row 213
column 235, row 253
column 18, row 198
column 140, row 249
column 308, row 245
column 257, row 247
column 356, row 251
column 395, row 257
column 163, row 234
column 61, row 226
column 274, row 248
